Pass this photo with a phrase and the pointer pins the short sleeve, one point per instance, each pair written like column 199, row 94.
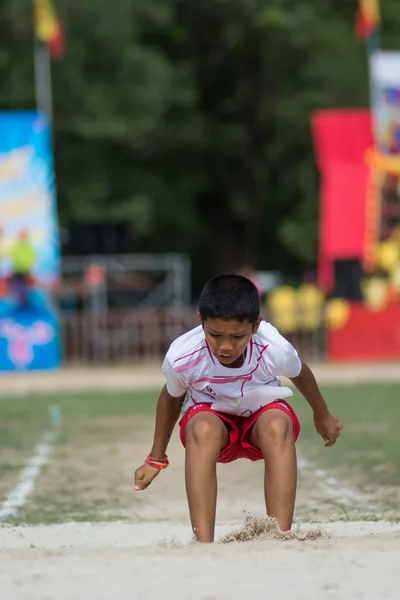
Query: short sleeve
column 292, row 364
column 175, row 384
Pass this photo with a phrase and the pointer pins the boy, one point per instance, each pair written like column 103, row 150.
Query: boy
column 224, row 376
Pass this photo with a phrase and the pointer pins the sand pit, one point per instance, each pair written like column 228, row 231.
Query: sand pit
column 151, row 561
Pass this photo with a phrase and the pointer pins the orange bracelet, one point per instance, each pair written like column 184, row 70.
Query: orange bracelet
column 157, row 464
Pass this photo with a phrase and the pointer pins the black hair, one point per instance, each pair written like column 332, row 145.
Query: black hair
column 230, row 296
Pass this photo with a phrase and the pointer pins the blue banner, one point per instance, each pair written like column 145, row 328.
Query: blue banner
column 29, row 244
column 385, row 82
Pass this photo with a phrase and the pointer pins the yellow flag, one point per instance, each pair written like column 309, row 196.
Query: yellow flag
column 46, row 21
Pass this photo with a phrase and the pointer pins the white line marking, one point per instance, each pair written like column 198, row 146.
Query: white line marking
column 17, row 497
column 333, row 487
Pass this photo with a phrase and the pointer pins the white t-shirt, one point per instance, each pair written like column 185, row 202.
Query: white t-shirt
column 189, row 366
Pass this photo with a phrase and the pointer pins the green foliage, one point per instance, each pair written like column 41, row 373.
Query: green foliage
column 191, row 119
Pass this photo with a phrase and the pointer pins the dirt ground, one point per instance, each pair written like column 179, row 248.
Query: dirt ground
column 145, row 376
column 152, row 556
column 98, row 474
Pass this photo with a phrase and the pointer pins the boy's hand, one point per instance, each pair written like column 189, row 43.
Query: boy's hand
column 144, row 475
column 328, row 427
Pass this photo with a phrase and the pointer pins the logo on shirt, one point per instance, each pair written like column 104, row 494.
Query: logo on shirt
column 210, row 391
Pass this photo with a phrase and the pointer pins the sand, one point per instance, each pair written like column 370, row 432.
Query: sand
column 150, row 561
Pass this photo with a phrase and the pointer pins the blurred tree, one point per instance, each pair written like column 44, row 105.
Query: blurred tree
column 191, row 119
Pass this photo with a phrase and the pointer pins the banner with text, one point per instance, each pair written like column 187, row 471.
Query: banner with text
column 29, row 244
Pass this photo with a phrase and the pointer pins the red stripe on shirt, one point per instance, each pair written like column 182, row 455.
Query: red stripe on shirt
column 189, row 365
column 191, row 354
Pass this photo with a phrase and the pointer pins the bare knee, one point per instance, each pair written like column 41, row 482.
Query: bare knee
column 202, row 431
column 274, row 433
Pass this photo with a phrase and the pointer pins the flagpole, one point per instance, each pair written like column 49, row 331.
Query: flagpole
column 373, row 45
column 374, row 186
column 43, row 87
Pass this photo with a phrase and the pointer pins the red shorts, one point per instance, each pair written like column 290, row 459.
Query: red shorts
column 239, row 429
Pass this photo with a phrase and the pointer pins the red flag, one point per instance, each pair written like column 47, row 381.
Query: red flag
column 56, row 43
column 368, row 18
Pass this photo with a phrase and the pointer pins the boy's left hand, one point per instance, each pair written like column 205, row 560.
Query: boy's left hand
column 328, row 427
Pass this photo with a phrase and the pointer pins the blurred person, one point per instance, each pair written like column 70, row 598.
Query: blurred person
column 3, row 281
column 23, row 254
column 224, row 377
column 23, row 258
column 3, row 287
column 250, row 272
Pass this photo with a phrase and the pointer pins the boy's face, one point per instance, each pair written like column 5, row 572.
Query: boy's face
column 228, row 339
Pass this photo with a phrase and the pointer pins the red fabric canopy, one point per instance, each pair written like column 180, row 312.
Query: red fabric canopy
column 341, row 138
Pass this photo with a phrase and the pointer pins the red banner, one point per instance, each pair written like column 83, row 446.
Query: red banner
column 367, row 336
column 341, row 139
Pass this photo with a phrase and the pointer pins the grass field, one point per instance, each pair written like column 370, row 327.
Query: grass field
column 85, row 478
column 103, row 435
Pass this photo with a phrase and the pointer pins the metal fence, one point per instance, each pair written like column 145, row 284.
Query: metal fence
column 141, row 335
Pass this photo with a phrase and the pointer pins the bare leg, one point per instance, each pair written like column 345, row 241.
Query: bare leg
column 273, row 434
column 206, row 435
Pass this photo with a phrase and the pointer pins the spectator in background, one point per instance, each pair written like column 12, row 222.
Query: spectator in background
column 3, row 281
column 249, row 272
column 23, row 258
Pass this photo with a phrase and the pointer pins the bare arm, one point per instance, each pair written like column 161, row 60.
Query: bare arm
column 325, row 424
column 167, row 414
column 307, row 385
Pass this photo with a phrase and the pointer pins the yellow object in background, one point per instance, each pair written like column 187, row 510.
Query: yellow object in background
column 45, row 20
column 395, row 278
column 376, row 293
column 310, row 303
column 337, row 313
column 388, row 255
column 23, row 257
column 281, row 304
column 396, row 230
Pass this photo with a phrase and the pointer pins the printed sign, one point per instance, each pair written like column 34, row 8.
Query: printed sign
column 29, row 244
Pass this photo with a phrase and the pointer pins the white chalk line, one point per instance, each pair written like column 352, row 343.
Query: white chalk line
column 17, row 497
column 330, row 486
column 335, row 489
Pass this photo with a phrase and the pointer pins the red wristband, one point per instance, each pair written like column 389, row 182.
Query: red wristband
column 157, row 464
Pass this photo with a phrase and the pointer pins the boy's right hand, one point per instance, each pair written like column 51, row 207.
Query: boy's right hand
column 144, row 475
